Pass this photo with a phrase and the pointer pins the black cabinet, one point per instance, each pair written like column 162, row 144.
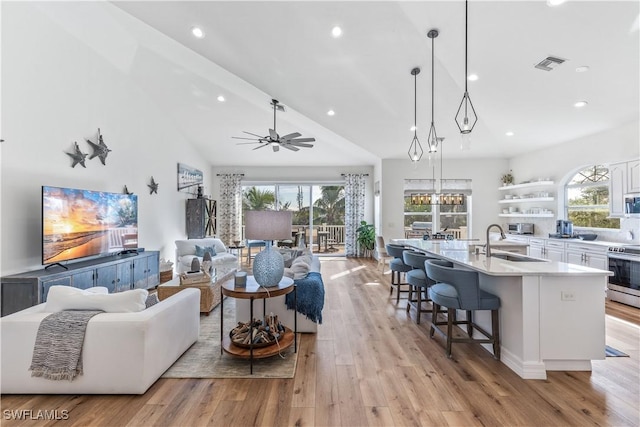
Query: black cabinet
column 200, row 218
column 116, row 273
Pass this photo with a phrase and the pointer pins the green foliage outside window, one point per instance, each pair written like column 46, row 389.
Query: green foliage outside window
column 588, row 199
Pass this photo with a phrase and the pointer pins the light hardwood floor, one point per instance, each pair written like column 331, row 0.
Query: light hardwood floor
column 370, row 364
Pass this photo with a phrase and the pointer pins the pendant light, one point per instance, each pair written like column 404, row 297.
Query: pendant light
column 432, row 139
column 415, row 149
column 466, row 117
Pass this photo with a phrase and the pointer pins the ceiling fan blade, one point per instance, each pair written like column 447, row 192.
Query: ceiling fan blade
column 261, row 146
column 290, row 147
column 273, row 134
column 291, row 135
column 276, row 148
column 299, row 144
column 247, row 143
column 303, row 140
column 248, row 139
column 259, row 136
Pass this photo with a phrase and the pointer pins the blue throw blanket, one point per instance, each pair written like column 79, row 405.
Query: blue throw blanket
column 310, row 297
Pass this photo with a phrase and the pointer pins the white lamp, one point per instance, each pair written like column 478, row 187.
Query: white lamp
column 268, row 265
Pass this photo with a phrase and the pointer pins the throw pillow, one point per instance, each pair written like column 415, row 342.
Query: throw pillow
column 62, row 298
column 152, row 300
column 201, row 250
column 300, row 270
column 288, row 273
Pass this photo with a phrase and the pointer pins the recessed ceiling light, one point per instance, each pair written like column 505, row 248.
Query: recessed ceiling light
column 336, row 32
column 555, row 2
column 221, row 98
column 582, row 69
column 197, row 32
column 331, row 113
column 472, row 77
column 509, row 133
column 580, row 104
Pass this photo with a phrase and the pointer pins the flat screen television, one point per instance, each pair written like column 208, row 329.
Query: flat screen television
column 83, row 223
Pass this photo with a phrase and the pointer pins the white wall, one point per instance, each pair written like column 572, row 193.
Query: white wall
column 61, row 82
column 484, row 173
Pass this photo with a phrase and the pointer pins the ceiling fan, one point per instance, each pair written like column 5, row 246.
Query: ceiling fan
column 290, row 141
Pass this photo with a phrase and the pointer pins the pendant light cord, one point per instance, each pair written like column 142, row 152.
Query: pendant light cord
column 466, row 43
column 433, row 95
column 415, row 105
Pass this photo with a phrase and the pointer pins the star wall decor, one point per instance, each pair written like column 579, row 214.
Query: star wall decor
column 77, row 156
column 125, row 190
column 100, row 149
column 153, row 186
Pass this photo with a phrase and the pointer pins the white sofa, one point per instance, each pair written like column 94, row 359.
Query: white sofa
column 123, row 353
column 278, row 306
column 186, row 252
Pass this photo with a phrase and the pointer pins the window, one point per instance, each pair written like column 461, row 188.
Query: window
column 455, row 218
column 587, row 196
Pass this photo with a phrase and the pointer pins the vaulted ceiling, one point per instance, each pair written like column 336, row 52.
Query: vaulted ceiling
column 285, row 50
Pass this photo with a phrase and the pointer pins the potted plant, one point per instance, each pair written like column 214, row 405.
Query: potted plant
column 366, row 238
column 507, row 178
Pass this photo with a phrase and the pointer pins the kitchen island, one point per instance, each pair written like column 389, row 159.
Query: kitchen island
column 552, row 314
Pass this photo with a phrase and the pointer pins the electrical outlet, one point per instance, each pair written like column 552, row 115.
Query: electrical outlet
column 567, row 296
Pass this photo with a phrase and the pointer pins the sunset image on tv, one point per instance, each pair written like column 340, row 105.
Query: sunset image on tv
column 80, row 223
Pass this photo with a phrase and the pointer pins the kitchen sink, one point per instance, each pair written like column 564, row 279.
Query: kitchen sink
column 515, row 258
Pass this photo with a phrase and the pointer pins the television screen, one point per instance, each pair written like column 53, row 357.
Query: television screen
column 82, row 223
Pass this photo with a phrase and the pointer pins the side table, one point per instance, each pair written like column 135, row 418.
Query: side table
column 253, row 291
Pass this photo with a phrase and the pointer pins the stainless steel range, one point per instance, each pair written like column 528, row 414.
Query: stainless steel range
column 624, row 285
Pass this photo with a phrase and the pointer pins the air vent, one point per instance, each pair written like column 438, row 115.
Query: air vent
column 549, row 63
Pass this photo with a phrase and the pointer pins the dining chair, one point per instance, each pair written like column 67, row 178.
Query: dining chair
column 397, row 267
column 383, row 256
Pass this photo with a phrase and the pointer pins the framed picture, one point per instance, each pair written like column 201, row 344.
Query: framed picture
column 189, row 178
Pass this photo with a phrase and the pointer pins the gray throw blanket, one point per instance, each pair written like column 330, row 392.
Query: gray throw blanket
column 57, row 354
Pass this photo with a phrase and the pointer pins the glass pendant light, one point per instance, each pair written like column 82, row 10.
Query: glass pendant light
column 466, row 117
column 415, row 149
column 432, row 139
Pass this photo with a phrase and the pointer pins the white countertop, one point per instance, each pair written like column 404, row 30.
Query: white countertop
column 458, row 251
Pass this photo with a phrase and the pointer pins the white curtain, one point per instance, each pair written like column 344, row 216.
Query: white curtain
column 353, row 210
column 229, row 209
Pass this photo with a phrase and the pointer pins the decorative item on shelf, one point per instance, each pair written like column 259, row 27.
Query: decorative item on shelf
column 466, row 117
column 77, row 156
column 268, row 265
column 415, row 149
column 153, row 186
column 199, row 192
column 100, row 149
column 256, row 333
column 507, row 178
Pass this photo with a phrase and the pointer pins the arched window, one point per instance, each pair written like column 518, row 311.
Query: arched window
column 587, row 198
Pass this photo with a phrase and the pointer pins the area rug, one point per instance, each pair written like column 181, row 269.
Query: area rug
column 612, row 352
column 203, row 359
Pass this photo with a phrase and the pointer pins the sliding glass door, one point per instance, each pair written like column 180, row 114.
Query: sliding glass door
column 318, row 212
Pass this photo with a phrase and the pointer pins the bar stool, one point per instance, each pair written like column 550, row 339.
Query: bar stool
column 458, row 289
column 417, row 280
column 397, row 267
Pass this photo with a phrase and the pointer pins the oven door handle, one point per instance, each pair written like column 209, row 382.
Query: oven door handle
column 624, row 256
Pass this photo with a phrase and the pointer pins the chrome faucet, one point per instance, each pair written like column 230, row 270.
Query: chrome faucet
column 502, row 236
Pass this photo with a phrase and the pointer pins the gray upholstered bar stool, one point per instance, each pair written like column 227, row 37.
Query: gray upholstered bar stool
column 397, row 267
column 458, row 289
column 418, row 281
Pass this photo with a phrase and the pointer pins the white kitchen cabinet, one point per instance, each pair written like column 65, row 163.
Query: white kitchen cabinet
column 546, row 249
column 589, row 255
column 633, row 176
column 617, row 188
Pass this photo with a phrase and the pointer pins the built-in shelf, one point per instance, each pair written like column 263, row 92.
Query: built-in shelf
column 527, row 200
column 527, row 185
column 522, row 215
